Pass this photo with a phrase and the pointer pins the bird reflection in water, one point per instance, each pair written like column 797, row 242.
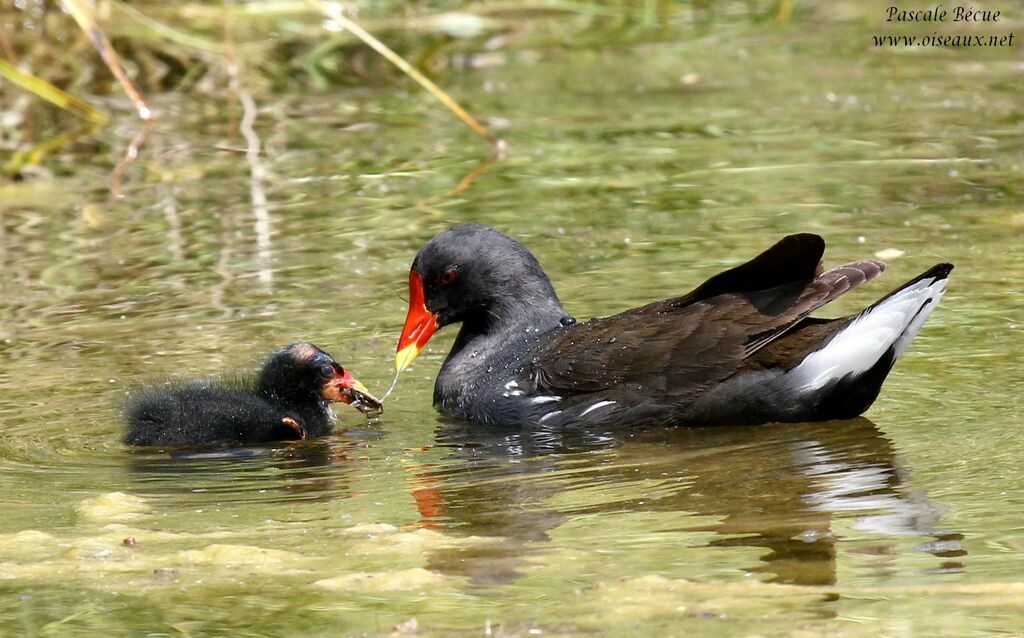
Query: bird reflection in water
column 312, row 470
column 779, row 488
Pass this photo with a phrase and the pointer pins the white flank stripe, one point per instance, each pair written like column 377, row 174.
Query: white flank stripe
column 599, row 404
column 548, row 416
column 544, row 399
column 894, row 322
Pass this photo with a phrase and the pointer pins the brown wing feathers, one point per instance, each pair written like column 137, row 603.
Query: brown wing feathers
column 706, row 335
column 824, row 288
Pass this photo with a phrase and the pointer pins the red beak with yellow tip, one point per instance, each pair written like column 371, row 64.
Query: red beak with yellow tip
column 420, row 324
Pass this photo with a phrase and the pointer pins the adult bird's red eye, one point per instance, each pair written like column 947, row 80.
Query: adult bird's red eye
column 450, row 274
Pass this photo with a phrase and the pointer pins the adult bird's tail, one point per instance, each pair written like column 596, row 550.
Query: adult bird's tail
column 848, row 372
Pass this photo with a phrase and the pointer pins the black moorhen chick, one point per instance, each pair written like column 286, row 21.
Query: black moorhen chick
column 288, row 400
column 739, row 349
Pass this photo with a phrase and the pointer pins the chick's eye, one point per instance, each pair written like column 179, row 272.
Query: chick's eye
column 449, row 275
column 326, row 370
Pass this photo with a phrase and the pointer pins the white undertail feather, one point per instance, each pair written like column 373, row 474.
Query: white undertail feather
column 893, row 322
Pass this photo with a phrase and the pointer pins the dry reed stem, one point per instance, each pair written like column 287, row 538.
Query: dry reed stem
column 334, row 12
column 131, row 154
column 83, row 16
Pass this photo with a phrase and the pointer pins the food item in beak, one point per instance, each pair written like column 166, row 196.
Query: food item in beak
column 345, row 388
column 362, row 400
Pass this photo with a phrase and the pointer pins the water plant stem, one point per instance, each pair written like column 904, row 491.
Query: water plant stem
column 83, row 16
column 334, row 11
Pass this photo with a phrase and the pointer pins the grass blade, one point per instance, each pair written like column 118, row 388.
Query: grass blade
column 53, row 95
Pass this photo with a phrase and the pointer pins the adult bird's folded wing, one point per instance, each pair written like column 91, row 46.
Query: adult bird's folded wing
column 689, row 343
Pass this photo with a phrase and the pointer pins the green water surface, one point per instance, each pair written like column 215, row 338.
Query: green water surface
column 634, row 171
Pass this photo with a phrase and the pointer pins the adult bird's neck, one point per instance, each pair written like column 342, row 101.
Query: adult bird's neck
column 492, row 341
column 509, row 319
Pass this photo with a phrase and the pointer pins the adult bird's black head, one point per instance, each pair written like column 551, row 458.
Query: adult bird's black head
column 300, row 371
column 480, row 277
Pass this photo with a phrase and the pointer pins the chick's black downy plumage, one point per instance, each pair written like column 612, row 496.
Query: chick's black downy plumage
column 288, row 400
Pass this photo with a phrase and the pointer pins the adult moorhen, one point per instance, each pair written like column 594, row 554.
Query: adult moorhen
column 288, row 400
column 739, row 349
